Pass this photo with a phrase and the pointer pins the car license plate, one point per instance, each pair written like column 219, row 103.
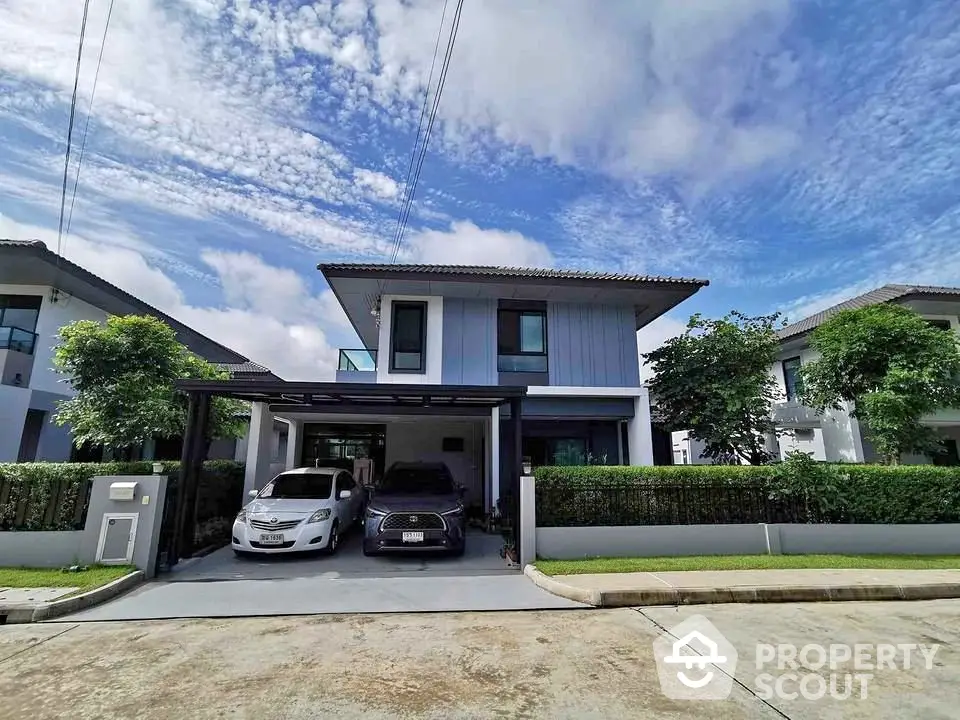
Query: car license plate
column 413, row 537
column 272, row 539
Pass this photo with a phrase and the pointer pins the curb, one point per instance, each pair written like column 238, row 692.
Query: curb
column 47, row 611
column 702, row 596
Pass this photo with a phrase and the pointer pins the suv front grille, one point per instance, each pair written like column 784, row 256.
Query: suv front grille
column 412, row 521
column 275, row 527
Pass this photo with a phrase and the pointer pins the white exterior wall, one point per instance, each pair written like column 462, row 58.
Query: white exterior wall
column 839, row 437
column 434, row 360
column 421, row 439
column 14, row 403
column 54, row 443
column 681, row 441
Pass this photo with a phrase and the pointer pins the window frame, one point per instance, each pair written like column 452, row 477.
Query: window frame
column 520, row 312
column 797, row 386
column 408, row 304
column 21, row 302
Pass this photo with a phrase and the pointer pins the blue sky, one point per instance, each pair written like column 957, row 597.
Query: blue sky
column 794, row 152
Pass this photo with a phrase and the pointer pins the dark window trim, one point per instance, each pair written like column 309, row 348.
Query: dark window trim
column 786, row 387
column 421, row 305
column 524, row 311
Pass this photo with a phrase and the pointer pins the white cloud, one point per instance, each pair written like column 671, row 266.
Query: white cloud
column 652, row 336
column 466, row 244
column 382, row 185
column 269, row 314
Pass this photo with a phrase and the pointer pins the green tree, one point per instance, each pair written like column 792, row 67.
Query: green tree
column 715, row 381
column 894, row 366
column 123, row 373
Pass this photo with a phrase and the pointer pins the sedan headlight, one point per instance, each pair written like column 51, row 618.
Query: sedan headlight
column 241, row 516
column 319, row 516
column 458, row 510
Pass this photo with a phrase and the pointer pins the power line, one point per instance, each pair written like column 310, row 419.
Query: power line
column 416, row 140
column 73, row 110
column 86, row 127
column 408, row 204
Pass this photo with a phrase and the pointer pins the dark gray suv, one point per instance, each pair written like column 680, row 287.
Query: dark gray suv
column 416, row 507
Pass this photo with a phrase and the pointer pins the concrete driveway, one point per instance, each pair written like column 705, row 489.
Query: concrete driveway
column 596, row 664
column 221, row 585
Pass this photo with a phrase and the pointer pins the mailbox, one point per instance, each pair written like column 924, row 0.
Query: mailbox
column 124, row 490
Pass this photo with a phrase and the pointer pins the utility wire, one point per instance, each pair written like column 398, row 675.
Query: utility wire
column 73, row 111
column 416, row 140
column 405, row 209
column 86, row 127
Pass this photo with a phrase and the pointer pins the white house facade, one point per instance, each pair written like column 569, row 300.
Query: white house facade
column 837, row 436
column 39, row 294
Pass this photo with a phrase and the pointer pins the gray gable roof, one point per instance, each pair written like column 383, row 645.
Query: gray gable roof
column 499, row 271
column 31, row 262
column 887, row 293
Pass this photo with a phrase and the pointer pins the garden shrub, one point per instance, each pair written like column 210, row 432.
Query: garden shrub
column 54, row 496
column 797, row 490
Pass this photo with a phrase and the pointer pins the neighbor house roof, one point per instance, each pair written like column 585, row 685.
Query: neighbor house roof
column 247, row 371
column 497, row 271
column 887, row 293
column 30, row 262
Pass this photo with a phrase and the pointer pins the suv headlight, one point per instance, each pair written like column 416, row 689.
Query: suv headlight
column 458, row 510
column 319, row 516
column 376, row 512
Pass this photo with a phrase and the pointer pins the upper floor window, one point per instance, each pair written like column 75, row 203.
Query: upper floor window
column 521, row 341
column 20, row 311
column 940, row 324
column 408, row 337
column 792, row 380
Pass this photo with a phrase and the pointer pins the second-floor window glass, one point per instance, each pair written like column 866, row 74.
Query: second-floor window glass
column 791, row 378
column 522, row 341
column 408, row 337
column 940, row 324
column 20, row 311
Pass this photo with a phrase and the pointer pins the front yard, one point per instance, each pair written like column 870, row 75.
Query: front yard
column 93, row 577
column 748, row 562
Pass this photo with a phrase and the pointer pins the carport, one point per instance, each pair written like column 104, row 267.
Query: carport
column 368, row 401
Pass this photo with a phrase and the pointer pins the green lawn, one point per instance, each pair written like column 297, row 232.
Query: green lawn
column 46, row 577
column 747, row 562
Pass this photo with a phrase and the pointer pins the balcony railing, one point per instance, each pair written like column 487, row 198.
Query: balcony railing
column 792, row 414
column 13, row 338
column 357, row 360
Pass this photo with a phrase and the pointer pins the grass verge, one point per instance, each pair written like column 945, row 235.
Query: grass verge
column 85, row 580
column 748, row 562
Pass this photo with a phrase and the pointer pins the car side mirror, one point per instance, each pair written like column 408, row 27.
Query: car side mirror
column 344, row 494
column 252, row 494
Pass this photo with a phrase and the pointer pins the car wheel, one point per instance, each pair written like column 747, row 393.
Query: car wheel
column 459, row 551
column 334, row 542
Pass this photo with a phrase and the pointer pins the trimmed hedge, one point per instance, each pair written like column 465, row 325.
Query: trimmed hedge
column 55, row 496
column 809, row 491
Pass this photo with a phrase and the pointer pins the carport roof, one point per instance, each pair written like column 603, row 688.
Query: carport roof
column 321, row 396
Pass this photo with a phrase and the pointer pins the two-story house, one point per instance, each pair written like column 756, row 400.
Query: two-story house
column 451, row 353
column 40, row 293
column 836, row 436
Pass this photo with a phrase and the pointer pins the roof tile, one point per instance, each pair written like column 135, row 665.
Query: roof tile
column 503, row 271
column 887, row 293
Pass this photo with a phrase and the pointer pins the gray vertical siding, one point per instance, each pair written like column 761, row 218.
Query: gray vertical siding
column 469, row 341
column 592, row 345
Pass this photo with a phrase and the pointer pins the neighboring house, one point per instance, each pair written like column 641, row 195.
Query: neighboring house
column 39, row 293
column 836, row 436
column 460, row 344
column 688, row 450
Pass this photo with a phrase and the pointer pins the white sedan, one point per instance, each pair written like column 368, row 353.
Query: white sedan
column 302, row 509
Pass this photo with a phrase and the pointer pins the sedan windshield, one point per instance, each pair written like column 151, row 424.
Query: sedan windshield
column 299, row 486
column 426, row 479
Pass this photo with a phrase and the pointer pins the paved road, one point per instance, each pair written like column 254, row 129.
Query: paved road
column 583, row 664
column 220, row 585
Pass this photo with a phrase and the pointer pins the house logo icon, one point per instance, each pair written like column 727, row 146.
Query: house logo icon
column 695, row 661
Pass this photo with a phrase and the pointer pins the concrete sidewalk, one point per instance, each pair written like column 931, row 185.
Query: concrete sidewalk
column 739, row 586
